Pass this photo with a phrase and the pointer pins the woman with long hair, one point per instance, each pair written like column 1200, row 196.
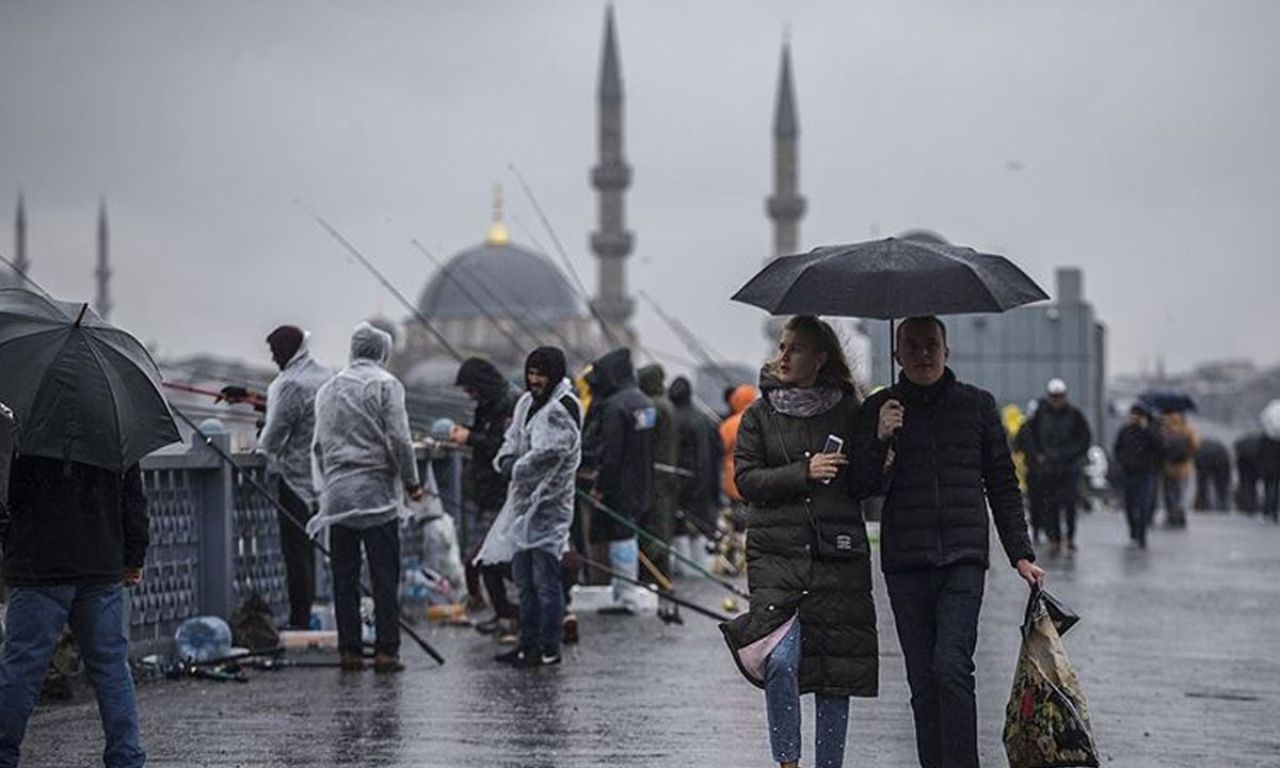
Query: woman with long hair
column 812, row 623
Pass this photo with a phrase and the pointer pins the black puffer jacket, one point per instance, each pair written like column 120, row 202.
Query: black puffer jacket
column 1061, row 436
column 951, row 458
column 71, row 523
column 618, row 439
column 497, row 399
column 832, row 599
column 1137, row 450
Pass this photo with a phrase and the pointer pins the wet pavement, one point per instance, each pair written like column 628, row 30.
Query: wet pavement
column 1176, row 652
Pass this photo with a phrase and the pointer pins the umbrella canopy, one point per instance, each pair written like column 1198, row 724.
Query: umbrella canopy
column 889, row 279
column 1166, row 401
column 80, row 388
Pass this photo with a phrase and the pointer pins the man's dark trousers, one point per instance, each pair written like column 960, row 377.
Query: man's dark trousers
column 936, row 614
column 382, row 546
column 1139, row 503
column 299, row 556
column 1061, row 495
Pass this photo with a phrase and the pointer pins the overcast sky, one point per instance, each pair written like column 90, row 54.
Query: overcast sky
column 1137, row 140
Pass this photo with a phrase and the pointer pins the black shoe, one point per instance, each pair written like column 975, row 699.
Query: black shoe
column 512, row 656
column 536, row 659
column 488, row 626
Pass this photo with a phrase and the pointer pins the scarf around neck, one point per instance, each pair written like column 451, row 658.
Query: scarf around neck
column 805, row 402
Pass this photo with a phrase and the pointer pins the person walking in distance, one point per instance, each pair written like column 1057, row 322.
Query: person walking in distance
column 1137, row 450
column 935, row 447
column 1057, row 443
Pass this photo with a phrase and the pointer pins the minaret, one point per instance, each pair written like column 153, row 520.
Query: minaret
column 20, row 262
column 611, row 176
column 103, row 273
column 785, row 206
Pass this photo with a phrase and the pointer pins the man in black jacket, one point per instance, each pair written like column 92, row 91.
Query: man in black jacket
column 618, row 441
column 700, row 452
column 1137, row 451
column 495, row 399
column 1057, row 443
column 936, row 449
column 74, row 535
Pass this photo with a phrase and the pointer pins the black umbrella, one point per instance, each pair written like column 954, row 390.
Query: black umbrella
column 889, row 279
column 80, row 388
column 1167, row 401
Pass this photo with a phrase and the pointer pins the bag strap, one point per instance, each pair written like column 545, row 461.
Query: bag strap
column 786, row 456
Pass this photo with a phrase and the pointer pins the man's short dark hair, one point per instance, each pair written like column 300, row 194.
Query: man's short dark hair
column 942, row 328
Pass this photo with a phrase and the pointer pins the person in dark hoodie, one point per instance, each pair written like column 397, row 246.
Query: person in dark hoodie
column 661, row 520
column 1137, row 451
column 618, row 441
column 75, row 536
column 699, row 457
column 495, row 399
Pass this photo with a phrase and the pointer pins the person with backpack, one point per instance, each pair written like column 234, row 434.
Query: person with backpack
column 1179, row 444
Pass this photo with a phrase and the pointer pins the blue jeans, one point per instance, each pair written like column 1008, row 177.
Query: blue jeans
column 537, row 577
column 34, row 622
column 782, row 704
column 936, row 613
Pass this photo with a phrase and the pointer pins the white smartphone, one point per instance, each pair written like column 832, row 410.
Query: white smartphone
column 833, row 445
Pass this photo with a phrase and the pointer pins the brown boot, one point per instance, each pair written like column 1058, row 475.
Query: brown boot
column 387, row 662
column 351, row 662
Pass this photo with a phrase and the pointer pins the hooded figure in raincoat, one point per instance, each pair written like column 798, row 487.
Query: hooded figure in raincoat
column 540, row 454
column 364, row 461
column 286, row 441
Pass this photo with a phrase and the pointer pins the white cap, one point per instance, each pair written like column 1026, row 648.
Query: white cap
column 1056, row 387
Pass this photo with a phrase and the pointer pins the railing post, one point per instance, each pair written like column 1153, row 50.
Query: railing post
column 216, row 567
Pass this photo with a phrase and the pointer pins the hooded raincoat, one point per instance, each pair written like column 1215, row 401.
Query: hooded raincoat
column 742, row 397
column 291, row 421
column 546, row 447
column 619, row 441
column 363, row 456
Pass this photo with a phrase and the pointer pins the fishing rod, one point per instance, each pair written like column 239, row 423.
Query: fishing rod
column 631, row 526
column 506, row 306
column 288, row 515
column 469, row 296
column 564, row 255
column 258, row 401
column 368, row 265
column 602, row 568
column 687, row 338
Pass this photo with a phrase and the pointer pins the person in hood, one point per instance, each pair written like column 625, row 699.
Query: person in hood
column 286, row 438
column 812, row 623
column 619, row 440
column 540, row 454
column 364, row 464
column 1137, row 451
column 1057, row 444
column 743, row 395
column 495, row 399
column 661, row 518
column 699, row 457
column 935, row 447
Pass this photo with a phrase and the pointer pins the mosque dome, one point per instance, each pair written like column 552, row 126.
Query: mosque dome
column 503, row 277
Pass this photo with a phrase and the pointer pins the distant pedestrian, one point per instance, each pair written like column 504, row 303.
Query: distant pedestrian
column 286, row 440
column 540, row 455
column 812, row 623
column 742, row 396
column 1248, row 472
column 1057, row 445
column 661, row 520
column 936, row 447
column 1137, row 451
column 364, row 462
column 1269, row 469
column 495, row 399
column 1179, row 443
column 699, row 451
column 1213, row 477
column 75, row 534
column 619, row 440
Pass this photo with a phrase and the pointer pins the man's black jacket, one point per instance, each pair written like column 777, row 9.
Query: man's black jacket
column 495, row 402
column 618, row 441
column 950, row 458
column 71, row 523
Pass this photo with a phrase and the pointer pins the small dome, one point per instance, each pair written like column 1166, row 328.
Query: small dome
column 923, row 236
column 505, row 278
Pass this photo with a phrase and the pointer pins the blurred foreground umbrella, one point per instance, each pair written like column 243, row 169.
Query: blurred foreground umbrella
column 889, row 279
column 1166, row 401
column 1271, row 420
column 80, row 388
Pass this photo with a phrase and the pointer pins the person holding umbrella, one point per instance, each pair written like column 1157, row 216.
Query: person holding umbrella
column 812, row 623
column 87, row 404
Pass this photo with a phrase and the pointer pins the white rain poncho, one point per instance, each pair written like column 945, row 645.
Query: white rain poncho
column 291, row 421
column 362, row 453
column 547, row 449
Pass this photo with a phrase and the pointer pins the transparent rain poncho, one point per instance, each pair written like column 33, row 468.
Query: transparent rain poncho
column 539, row 507
column 291, row 420
column 362, row 453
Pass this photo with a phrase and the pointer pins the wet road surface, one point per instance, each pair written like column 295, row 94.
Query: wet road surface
column 1177, row 653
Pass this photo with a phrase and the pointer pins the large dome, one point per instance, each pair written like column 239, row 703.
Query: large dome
column 505, row 278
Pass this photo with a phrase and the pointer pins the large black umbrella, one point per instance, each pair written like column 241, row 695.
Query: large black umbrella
column 80, row 388
column 889, row 279
column 1166, row 401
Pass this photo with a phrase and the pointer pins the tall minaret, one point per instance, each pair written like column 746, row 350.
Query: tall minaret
column 20, row 262
column 785, row 206
column 103, row 272
column 611, row 176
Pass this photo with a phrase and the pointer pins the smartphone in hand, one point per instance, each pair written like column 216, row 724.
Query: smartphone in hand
column 834, row 444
